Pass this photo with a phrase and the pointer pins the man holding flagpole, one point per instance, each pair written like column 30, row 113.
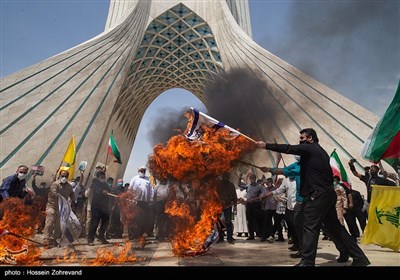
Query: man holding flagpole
column 316, row 186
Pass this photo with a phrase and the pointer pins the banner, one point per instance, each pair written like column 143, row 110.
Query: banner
column 69, row 223
column 384, row 140
column 384, row 218
column 69, row 159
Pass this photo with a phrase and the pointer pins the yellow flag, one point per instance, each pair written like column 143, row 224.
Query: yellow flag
column 384, row 218
column 69, row 159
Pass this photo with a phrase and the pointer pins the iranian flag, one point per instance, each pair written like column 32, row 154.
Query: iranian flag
column 384, row 141
column 113, row 148
column 338, row 169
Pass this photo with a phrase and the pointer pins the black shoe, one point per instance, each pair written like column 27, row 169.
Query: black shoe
column 231, row 241
column 280, row 239
column 250, row 238
column 263, row 239
column 360, row 262
column 294, row 248
column 239, row 235
column 220, row 240
column 246, row 234
column 342, row 259
column 296, row 255
column 104, row 241
column 325, row 237
column 303, row 264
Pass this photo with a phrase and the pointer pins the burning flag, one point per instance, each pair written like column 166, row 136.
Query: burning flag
column 196, row 129
column 384, row 141
column 193, row 166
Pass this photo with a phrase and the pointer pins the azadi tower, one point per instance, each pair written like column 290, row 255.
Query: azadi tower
column 148, row 47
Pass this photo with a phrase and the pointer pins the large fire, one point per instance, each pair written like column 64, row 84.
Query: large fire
column 22, row 219
column 194, row 166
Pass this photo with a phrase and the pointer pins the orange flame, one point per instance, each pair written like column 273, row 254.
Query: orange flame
column 20, row 218
column 114, row 255
column 192, row 161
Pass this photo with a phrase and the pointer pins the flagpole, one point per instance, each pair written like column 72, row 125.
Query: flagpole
column 105, row 167
column 247, row 137
column 248, row 163
column 58, row 170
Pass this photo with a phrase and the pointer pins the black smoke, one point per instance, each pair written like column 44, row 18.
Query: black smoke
column 242, row 99
column 351, row 46
column 171, row 122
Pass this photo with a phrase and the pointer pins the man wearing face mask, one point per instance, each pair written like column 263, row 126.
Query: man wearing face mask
column 14, row 185
column 370, row 179
column 140, row 185
column 316, row 186
column 52, row 229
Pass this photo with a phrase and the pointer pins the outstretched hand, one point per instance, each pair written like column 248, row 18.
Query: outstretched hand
column 260, row 144
column 265, row 169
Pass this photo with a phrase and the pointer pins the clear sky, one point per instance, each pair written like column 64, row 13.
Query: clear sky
column 351, row 46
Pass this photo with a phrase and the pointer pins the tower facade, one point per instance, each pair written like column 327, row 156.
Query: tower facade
column 107, row 83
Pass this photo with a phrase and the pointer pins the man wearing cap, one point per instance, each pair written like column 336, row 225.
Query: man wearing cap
column 140, row 185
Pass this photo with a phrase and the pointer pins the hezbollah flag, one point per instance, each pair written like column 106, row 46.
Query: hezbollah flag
column 384, row 218
column 338, row 169
column 113, row 148
column 384, row 141
column 69, row 159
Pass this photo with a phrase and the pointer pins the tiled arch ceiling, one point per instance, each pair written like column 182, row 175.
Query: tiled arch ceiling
column 177, row 50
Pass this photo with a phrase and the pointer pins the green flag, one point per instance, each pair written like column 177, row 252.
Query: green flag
column 113, row 148
column 384, row 141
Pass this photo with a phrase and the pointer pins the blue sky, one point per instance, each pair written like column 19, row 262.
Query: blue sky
column 351, row 46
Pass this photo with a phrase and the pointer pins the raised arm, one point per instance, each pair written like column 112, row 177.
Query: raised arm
column 353, row 169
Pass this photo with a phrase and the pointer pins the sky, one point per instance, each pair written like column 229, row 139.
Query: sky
column 350, row 46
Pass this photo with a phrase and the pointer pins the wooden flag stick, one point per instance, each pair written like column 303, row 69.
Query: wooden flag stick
column 248, row 163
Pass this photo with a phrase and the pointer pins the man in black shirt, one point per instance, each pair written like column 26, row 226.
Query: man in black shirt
column 370, row 178
column 316, row 186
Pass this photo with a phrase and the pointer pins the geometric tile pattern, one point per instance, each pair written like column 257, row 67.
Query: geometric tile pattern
column 178, row 48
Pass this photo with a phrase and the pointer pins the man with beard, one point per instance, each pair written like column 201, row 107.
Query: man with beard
column 316, row 186
column 370, row 178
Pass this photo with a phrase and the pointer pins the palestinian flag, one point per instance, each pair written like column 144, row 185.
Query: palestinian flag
column 338, row 169
column 113, row 148
column 384, row 141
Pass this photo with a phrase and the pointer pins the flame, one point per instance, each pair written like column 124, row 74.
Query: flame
column 196, row 163
column 20, row 218
column 69, row 257
column 114, row 255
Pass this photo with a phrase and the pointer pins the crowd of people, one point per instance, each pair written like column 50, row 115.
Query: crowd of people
column 303, row 197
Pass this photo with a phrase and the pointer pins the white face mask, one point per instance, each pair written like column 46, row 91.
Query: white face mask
column 21, row 176
column 63, row 180
column 141, row 174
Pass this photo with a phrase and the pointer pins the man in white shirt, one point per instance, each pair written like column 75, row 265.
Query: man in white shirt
column 140, row 185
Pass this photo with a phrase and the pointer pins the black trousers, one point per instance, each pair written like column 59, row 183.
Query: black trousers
column 322, row 210
column 298, row 221
column 254, row 218
column 98, row 215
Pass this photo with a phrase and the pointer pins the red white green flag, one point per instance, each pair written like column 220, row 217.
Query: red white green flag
column 384, row 141
column 113, row 148
column 338, row 169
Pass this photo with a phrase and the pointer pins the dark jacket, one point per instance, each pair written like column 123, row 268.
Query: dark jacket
column 315, row 171
column 12, row 187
